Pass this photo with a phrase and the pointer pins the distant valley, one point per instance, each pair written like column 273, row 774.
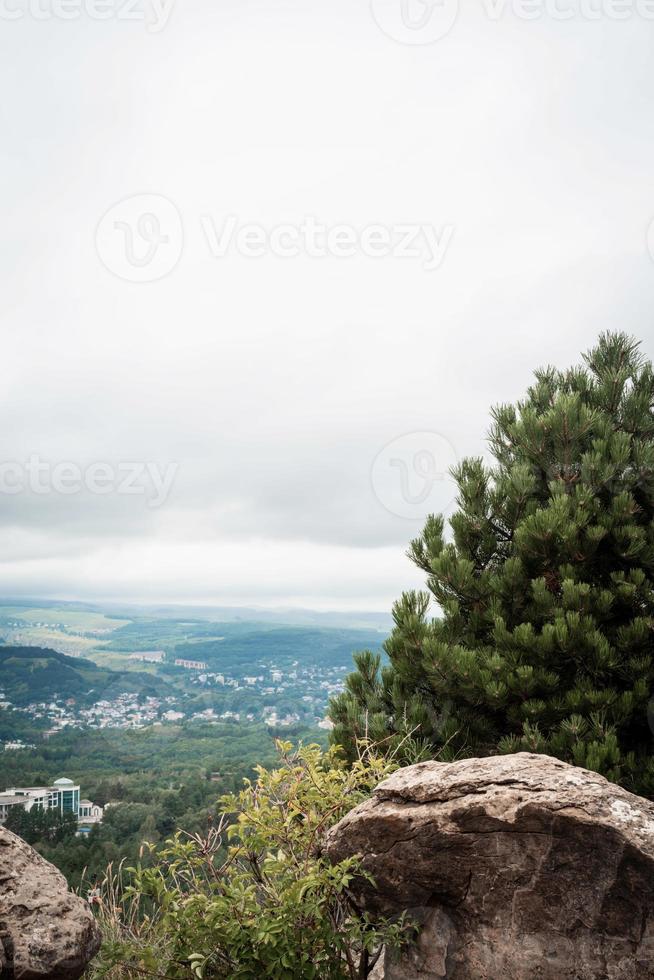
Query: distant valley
column 68, row 666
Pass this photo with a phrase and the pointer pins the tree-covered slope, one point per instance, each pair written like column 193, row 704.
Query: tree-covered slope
column 33, row 674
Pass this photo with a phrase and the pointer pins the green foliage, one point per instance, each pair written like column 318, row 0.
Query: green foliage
column 40, row 824
column 545, row 586
column 253, row 897
column 245, row 645
column 30, row 674
column 170, row 775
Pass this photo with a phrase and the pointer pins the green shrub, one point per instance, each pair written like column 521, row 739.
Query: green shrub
column 253, row 896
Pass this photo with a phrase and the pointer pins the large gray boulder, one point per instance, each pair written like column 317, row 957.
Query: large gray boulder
column 516, row 867
column 45, row 930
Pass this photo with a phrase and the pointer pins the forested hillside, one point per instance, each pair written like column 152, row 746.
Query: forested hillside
column 155, row 780
column 30, row 674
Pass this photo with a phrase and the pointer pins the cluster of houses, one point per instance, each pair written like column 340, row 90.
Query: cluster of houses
column 63, row 795
column 123, row 711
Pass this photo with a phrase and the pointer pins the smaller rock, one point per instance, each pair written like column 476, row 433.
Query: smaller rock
column 45, row 930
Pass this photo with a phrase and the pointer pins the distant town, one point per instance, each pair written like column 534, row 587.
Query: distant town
column 276, row 697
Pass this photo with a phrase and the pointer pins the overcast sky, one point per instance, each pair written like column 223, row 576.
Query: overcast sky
column 298, row 395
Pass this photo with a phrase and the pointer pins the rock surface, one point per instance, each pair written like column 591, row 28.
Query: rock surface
column 45, row 930
column 517, row 867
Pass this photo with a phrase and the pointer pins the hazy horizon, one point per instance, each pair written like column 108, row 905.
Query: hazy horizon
column 151, row 605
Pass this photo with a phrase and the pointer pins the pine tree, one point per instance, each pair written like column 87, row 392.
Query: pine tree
column 544, row 586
